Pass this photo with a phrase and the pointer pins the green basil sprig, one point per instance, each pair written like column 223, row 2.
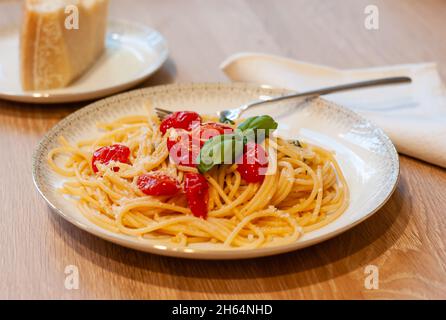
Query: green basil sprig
column 220, row 149
column 224, row 149
column 264, row 122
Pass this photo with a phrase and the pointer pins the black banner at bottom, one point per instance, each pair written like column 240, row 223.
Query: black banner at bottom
column 223, row 309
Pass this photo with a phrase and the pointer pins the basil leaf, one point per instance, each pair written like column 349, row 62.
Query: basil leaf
column 224, row 149
column 264, row 122
column 221, row 149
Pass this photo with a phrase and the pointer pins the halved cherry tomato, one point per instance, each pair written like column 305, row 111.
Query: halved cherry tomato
column 208, row 130
column 197, row 193
column 157, row 184
column 181, row 149
column 104, row 155
column 183, row 145
column 186, row 120
column 254, row 161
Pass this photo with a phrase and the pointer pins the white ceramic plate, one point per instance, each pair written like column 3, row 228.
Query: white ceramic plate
column 365, row 154
column 133, row 52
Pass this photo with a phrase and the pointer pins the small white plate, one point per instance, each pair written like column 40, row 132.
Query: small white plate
column 366, row 155
column 133, row 52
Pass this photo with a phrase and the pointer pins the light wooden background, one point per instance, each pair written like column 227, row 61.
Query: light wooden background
column 406, row 239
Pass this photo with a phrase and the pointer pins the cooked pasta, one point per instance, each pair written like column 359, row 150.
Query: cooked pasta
column 303, row 190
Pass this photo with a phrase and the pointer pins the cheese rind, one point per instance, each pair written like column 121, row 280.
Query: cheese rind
column 52, row 56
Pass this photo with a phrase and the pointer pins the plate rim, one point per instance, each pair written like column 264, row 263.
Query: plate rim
column 205, row 254
column 53, row 98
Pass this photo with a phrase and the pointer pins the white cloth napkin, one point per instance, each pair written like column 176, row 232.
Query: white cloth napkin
column 413, row 115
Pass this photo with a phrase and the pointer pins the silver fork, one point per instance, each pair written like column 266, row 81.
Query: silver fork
column 233, row 114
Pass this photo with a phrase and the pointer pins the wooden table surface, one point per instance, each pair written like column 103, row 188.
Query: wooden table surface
column 405, row 239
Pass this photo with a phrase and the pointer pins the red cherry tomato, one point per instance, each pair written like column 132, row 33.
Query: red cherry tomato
column 104, row 155
column 181, row 149
column 254, row 161
column 184, row 146
column 197, row 194
column 186, row 120
column 208, row 130
column 157, row 184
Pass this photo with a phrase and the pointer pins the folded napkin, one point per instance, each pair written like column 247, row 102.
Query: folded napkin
column 413, row 115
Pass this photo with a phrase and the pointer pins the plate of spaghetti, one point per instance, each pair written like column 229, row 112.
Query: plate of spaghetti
column 283, row 177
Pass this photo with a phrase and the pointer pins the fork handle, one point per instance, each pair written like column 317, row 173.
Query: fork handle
column 339, row 88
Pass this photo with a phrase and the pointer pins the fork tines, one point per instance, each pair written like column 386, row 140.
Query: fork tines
column 162, row 113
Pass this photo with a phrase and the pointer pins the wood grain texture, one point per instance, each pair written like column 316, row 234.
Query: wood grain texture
column 405, row 239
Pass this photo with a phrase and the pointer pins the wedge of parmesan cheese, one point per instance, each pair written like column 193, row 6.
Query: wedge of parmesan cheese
column 53, row 52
